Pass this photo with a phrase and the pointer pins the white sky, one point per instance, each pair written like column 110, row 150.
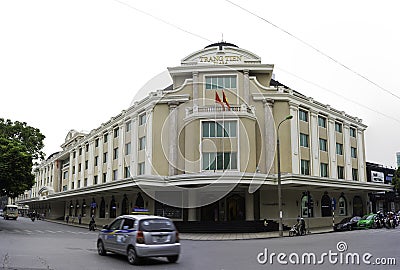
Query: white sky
column 74, row 64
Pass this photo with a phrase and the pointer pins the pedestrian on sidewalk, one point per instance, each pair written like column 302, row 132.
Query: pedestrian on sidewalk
column 67, row 219
column 79, row 219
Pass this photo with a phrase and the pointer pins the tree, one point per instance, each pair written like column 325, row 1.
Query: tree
column 396, row 180
column 20, row 146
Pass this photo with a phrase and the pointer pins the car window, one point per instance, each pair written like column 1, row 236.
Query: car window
column 128, row 224
column 116, row 224
column 154, row 225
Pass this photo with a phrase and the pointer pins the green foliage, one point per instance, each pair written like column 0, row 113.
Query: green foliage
column 20, row 145
column 396, row 180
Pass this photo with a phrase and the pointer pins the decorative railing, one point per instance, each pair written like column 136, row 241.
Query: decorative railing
column 219, row 109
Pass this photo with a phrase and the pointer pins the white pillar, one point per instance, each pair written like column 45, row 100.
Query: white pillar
column 91, row 163
column 332, row 148
column 134, row 146
column 360, row 156
column 173, row 138
column 294, row 137
column 269, row 135
column 149, row 141
column 195, row 89
column 314, row 141
column 100, row 160
column 347, row 152
column 110, row 155
column 249, row 204
column 121, row 152
column 246, row 86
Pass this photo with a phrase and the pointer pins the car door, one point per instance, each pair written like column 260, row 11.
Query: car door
column 124, row 235
column 110, row 235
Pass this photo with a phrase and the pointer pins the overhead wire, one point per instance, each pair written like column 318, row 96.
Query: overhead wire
column 292, row 74
column 316, row 49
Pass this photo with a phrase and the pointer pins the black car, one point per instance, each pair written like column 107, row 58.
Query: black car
column 348, row 224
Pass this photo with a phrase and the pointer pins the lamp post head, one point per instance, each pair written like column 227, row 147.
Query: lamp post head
column 289, row 117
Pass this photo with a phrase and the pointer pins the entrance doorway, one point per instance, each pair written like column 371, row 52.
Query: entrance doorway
column 235, row 207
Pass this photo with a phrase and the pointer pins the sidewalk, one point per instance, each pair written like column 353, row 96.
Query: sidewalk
column 217, row 236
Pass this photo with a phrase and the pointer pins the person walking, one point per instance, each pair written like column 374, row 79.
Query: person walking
column 67, row 219
column 79, row 219
column 92, row 224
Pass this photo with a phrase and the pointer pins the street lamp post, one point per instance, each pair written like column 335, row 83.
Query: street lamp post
column 279, row 176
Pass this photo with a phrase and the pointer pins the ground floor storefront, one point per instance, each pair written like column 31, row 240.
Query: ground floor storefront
column 319, row 202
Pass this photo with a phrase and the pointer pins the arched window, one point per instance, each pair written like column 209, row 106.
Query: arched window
column 113, row 208
column 139, row 203
column 326, row 209
column 124, row 206
column 357, row 206
column 342, row 206
column 102, row 208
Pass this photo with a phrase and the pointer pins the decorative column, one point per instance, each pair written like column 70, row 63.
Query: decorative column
column 314, row 141
column 134, row 145
column 269, row 135
column 246, row 86
column 121, row 151
column 149, row 140
column 82, row 172
column 110, row 154
column 347, row 152
column 294, row 134
column 332, row 148
column 91, row 163
column 173, row 138
column 195, row 89
column 361, row 155
column 100, row 160
column 249, row 203
column 70, row 170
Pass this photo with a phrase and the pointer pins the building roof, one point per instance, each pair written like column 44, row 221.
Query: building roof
column 221, row 44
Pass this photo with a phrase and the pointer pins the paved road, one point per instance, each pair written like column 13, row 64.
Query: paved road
column 43, row 245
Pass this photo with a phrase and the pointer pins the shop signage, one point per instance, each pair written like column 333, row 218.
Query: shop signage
column 221, row 59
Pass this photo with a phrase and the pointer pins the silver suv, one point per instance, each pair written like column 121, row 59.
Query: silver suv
column 138, row 236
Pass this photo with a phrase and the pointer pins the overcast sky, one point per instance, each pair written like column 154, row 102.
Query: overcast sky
column 75, row 64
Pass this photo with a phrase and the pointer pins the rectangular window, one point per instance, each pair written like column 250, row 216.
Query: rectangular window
column 85, row 182
column 338, row 127
column 142, row 119
column 323, row 145
column 340, row 172
column 105, row 137
column 115, row 174
column 80, row 151
column 127, row 148
column 219, row 161
column 96, row 142
column 105, row 157
column 354, row 173
column 79, row 184
column 339, row 149
column 142, row 143
column 352, row 132
column 96, row 160
column 127, row 172
column 116, row 132
column 324, row 170
column 115, row 154
column 74, row 154
column 87, row 148
column 305, row 167
column 65, row 175
column 220, row 82
column 141, row 168
column 72, row 185
column 104, row 177
column 212, row 129
column 303, row 115
column 321, row 121
column 354, row 152
column 73, row 170
column 95, row 179
column 65, row 188
column 128, row 126
column 79, row 167
column 86, row 164
column 303, row 140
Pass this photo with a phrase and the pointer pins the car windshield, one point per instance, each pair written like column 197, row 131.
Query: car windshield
column 370, row 217
column 355, row 219
column 156, row 225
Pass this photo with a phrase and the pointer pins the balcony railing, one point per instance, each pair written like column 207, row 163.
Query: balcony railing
column 219, row 109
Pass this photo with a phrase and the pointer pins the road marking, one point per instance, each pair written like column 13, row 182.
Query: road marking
column 39, row 231
column 50, row 231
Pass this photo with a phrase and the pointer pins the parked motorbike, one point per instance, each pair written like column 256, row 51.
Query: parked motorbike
column 33, row 218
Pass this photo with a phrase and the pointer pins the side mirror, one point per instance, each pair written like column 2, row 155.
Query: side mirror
column 105, row 227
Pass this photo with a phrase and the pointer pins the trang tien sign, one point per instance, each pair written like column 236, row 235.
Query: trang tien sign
column 221, row 59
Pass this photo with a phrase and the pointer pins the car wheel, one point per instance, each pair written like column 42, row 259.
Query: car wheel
column 133, row 258
column 291, row 233
column 173, row 259
column 100, row 248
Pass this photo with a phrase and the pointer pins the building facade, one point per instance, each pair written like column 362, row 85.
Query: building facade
column 204, row 149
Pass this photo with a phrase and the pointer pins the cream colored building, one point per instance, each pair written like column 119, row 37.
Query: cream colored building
column 180, row 153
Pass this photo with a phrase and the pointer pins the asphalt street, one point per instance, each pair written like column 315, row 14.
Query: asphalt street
column 44, row 245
